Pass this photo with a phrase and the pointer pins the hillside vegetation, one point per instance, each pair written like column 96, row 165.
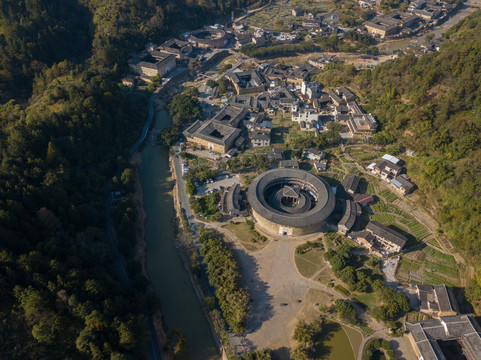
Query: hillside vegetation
column 65, row 130
column 58, row 298
column 35, row 34
column 432, row 105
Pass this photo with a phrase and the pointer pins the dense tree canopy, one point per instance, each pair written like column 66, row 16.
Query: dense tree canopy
column 35, row 34
column 184, row 108
column 58, row 297
column 224, row 277
column 38, row 33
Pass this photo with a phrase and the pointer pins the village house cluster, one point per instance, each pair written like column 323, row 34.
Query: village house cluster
column 390, row 170
column 245, row 119
column 287, row 200
column 446, row 330
column 207, row 45
column 419, row 15
column 258, row 94
column 378, row 239
column 204, row 46
column 310, row 23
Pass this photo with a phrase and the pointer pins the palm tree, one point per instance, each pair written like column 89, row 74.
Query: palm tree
column 303, row 333
column 299, row 353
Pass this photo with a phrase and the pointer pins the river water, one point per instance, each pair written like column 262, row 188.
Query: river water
column 179, row 304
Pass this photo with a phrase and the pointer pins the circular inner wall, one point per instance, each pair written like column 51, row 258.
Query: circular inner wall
column 290, row 201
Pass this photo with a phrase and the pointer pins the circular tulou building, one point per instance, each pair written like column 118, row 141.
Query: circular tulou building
column 209, row 37
column 290, row 201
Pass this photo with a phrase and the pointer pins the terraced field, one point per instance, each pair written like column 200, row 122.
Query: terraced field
column 371, row 188
column 388, row 214
column 389, row 196
column 429, row 266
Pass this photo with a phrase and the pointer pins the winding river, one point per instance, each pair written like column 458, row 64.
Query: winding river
column 180, row 307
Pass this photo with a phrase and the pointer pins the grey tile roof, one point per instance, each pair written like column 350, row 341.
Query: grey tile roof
column 405, row 183
column 213, row 131
column 386, row 233
column 349, row 216
column 350, row 183
column 436, row 298
column 230, row 115
column 336, row 98
column 384, row 165
column 289, row 164
column 259, row 136
column 463, row 328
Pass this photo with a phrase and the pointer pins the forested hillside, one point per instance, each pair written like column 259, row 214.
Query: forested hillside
column 65, row 127
column 58, row 298
column 432, row 105
column 123, row 25
column 38, row 33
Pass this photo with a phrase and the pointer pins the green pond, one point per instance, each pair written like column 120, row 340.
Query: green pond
column 179, row 304
column 334, row 344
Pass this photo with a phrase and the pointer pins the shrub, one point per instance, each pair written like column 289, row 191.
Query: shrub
column 386, row 345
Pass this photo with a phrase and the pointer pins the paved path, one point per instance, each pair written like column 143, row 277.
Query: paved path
column 400, row 345
column 275, row 287
column 250, row 12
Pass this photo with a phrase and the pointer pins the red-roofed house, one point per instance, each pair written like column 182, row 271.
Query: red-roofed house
column 363, row 199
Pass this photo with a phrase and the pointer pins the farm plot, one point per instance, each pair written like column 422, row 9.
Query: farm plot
column 388, row 214
column 364, row 155
column 333, row 177
column 429, row 266
column 433, row 242
column 371, row 188
column 437, row 255
column 278, row 16
column 389, row 196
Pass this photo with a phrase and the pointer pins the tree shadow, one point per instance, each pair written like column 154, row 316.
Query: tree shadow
column 363, row 184
column 281, row 353
column 413, row 243
column 396, row 349
column 464, row 305
column 260, row 308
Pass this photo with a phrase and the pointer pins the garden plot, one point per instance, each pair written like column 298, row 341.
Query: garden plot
column 389, row 196
column 429, row 266
column 364, row 155
column 388, row 214
column 332, row 178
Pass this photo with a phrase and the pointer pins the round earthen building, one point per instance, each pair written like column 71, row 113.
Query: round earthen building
column 209, row 37
column 290, row 201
